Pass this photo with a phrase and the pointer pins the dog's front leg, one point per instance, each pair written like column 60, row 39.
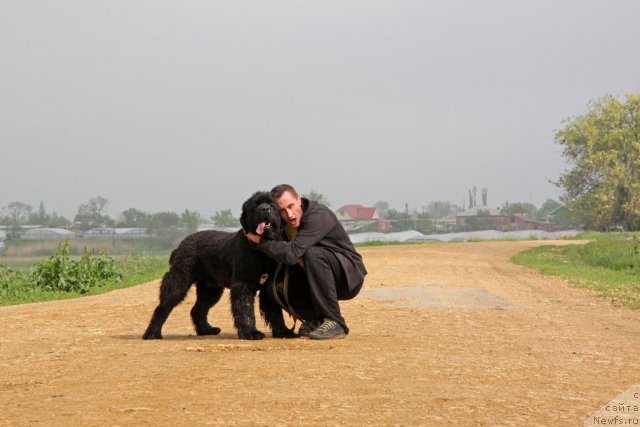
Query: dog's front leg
column 242, row 308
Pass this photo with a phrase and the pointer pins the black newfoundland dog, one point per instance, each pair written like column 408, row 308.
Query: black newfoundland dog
column 214, row 260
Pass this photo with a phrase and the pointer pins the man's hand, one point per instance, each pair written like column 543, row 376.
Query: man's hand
column 253, row 237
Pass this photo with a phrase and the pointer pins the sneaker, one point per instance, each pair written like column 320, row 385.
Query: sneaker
column 328, row 330
column 307, row 327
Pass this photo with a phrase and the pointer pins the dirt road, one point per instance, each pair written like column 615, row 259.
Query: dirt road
column 445, row 334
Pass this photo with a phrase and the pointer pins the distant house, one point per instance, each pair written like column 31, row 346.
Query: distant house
column 357, row 213
column 497, row 221
column 357, row 217
column 463, row 216
column 563, row 217
column 519, row 222
column 448, row 223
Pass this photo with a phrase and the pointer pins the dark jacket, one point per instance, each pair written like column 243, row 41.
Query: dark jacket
column 319, row 227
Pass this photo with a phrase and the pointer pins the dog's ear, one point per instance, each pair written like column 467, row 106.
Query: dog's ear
column 243, row 216
column 243, row 221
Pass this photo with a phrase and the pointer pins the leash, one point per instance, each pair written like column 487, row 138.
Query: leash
column 286, row 305
column 285, row 291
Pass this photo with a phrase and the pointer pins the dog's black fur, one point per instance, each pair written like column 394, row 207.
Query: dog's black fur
column 214, row 260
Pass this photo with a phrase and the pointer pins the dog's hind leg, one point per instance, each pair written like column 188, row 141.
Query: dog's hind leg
column 207, row 297
column 173, row 290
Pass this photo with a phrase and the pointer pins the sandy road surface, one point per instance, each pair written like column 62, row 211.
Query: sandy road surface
column 446, row 334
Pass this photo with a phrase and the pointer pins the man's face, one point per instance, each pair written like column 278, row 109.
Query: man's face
column 290, row 208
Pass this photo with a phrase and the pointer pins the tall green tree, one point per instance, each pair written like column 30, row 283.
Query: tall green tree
column 602, row 146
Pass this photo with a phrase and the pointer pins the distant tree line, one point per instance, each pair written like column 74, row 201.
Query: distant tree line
column 171, row 226
column 92, row 214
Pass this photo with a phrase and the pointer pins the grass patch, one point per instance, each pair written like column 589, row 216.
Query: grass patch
column 609, row 264
column 62, row 277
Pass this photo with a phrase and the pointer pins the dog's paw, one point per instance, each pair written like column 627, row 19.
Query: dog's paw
column 251, row 335
column 285, row 333
column 152, row 336
column 209, row 330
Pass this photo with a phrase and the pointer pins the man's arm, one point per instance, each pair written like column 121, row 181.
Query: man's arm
column 316, row 225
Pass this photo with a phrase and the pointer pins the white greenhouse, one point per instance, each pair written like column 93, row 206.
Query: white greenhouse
column 47, row 234
column 118, row 233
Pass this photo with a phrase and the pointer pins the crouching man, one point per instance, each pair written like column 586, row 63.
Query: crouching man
column 326, row 266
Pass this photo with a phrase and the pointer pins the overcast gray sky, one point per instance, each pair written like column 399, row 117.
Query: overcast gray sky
column 173, row 105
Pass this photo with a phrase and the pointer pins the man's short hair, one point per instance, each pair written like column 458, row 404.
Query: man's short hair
column 279, row 190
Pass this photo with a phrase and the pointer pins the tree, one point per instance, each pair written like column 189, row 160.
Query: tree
column 15, row 216
column 133, row 218
column 318, row 197
column 395, row 215
column 527, row 209
column 225, row 218
column 602, row 187
column 383, row 208
column 90, row 214
column 440, row 209
column 190, row 220
column 165, row 226
column 422, row 222
column 40, row 217
column 56, row 220
column 480, row 221
column 163, row 220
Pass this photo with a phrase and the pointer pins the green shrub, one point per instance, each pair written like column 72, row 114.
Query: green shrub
column 15, row 284
column 63, row 274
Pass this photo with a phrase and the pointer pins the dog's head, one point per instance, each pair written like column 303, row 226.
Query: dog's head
column 260, row 216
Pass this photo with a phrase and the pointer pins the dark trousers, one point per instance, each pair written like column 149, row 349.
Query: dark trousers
column 314, row 290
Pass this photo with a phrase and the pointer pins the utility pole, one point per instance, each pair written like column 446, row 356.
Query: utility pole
column 406, row 215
